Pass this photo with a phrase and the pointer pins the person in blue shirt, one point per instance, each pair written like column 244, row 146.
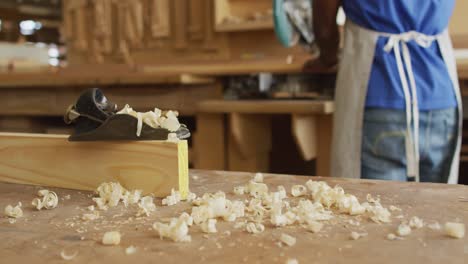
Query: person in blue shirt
column 397, row 100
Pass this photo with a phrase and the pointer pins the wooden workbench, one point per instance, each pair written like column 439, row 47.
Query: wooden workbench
column 40, row 236
column 248, row 133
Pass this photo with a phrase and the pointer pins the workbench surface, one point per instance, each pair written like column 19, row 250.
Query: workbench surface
column 40, row 236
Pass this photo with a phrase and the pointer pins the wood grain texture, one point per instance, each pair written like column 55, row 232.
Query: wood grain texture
column 160, row 18
column 51, row 160
column 249, row 142
column 245, row 26
column 304, row 130
column 324, row 142
column 54, row 101
column 97, row 75
column 180, row 24
column 267, row 106
column 210, row 42
column 196, row 15
column 39, row 237
column 209, row 142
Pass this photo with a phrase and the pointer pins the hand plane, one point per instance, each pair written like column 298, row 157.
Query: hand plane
column 97, row 119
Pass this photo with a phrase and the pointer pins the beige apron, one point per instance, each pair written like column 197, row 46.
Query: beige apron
column 351, row 91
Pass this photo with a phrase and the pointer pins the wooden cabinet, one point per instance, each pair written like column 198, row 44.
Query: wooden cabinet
column 169, row 31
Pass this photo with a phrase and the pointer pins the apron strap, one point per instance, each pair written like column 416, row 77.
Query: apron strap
column 403, row 60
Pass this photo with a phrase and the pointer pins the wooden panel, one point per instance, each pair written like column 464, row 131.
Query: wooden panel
column 50, row 160
column 97, row 75
column 245, row 26
column 67, row 23
column 20, row 124
column 222, row 10
column 80, row 32
column 245, row 65
column 324, row 141
column 135, row 23
column 249, row 143
column 267, row 106
column 103, row 22
column 123, row 49
column 160, row 15
column 239, row 15
column 209, row 142
column 210, row 43
column 54, row 102
column 304, row 130
column 196, row 21
column 180, row 24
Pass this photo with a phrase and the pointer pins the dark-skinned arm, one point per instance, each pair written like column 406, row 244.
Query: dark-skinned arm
column 326, row 30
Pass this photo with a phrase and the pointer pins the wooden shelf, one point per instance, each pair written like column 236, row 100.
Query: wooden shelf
column 267, row 106
column 96, row 75
column 244, row 11
column 245, row 26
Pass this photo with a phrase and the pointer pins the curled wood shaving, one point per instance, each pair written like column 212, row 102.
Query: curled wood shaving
column 258, row 177
column 403, row 229
column 416, row 222
column 146, row 206
column 434, row 226
column 49, row 200
column 298, row 190
column 130, row 250
column 288, row 240
column 172, row 199
column 254, row 228
column 209, row 226
column 177, row 229
column 111, row 238
column 314, row 226
column 67, row 257
column 239, row 190
column 455, row 230
column 14, row 212
column 91, row 216
column 356, row 235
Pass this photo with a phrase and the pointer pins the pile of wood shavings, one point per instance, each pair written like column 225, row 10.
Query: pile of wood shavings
column 311, row 206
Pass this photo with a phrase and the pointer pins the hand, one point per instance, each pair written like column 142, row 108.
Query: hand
column 316, row 65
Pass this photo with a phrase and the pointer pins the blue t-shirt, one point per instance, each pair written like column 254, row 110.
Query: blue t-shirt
column 430, row 17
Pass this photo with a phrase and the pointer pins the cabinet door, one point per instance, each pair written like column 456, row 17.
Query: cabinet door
column 160, row 15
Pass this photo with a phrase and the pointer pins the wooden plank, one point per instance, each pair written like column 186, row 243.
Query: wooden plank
column 103, row 31
column 54, row 101
column 278, row 64
column 51, row 160
column 81, row 39
column 97, row 75
column 245, row 26
column 249, row 142
column 160, row 15
column 53, row 231
column 196, row 20
column 221, row 10
column 209, row 42
column 67, row 22
column 180, row 24
column 267, row 106
column 462, row 66
column 209, row 142
column 136, row 16
column 20, row 124
column 324, row 141
column 304, row 130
